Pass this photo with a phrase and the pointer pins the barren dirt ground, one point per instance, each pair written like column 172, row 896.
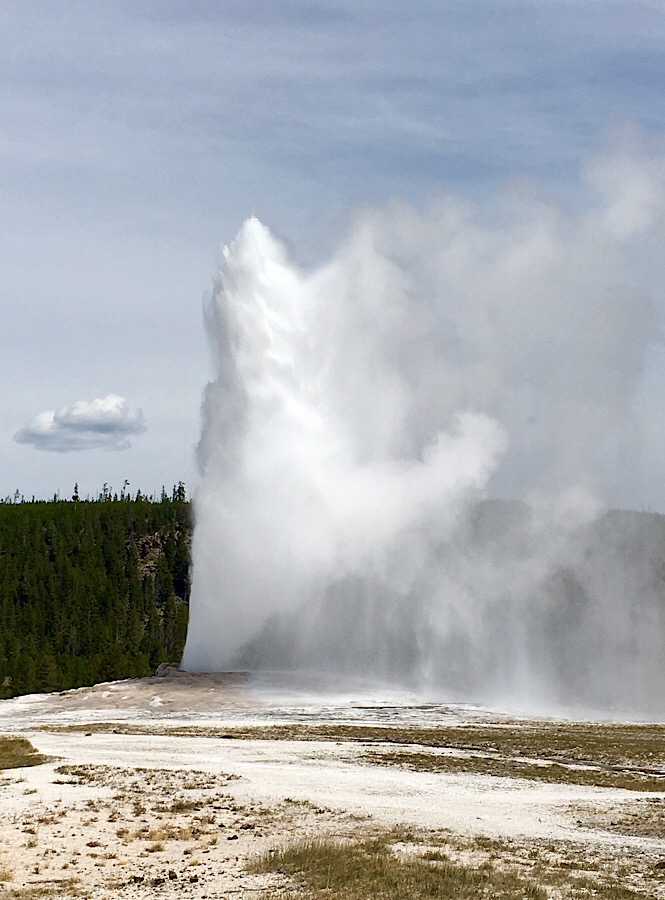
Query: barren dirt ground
column 114, row 813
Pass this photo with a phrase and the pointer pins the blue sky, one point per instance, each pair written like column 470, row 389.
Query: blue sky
column 137, row 136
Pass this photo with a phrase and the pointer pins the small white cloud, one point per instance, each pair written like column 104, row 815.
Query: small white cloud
column 104, row 423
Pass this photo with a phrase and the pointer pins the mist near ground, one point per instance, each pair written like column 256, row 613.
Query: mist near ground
column 408, row 453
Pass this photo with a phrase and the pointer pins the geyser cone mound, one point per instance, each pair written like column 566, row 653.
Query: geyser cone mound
column 359, row 414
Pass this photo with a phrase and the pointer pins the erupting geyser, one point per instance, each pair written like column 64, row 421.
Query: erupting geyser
column 363, row 414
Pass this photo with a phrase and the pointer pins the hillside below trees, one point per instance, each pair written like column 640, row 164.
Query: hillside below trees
column 91, row 590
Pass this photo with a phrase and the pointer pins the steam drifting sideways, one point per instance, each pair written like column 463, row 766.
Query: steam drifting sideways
column 364, row 414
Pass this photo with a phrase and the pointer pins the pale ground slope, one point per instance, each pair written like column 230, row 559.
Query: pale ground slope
column 129, row 809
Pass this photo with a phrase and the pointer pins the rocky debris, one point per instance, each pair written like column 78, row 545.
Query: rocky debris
column 149, row 547
column 169, row 670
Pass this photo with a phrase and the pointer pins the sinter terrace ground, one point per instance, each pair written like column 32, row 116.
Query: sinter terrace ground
column 213, row 786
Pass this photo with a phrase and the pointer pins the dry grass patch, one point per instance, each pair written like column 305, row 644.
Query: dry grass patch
column 67, row 889
column 331, row 869
column 641, row 818
column 180, row 805
column 612, row 746
column 567, row 870
column 554, row 772
column 6, row 873
column 400, row 863
column 16, row 752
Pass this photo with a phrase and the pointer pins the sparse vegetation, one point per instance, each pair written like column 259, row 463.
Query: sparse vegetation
column 556, row 773
column 398, row 863
column 355, row 871
column 631, row 757
column 63, row 888
column 101, row 848
column 612, row 745
column 186, row 820
column 16, row 752
column 644, row 817
column 6, row 873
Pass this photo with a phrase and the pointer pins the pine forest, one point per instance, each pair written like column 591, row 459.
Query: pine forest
column 91, row 590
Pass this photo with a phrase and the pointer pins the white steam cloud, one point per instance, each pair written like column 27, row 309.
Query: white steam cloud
column 363, row 413
column 105, row 423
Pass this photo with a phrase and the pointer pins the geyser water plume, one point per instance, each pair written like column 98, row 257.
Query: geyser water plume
column 361, row 415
